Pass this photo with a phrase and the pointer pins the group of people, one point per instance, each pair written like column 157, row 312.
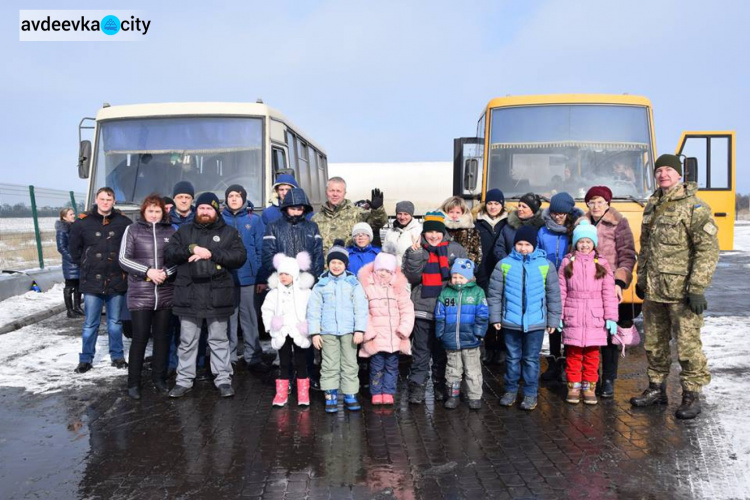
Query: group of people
column 439, row 290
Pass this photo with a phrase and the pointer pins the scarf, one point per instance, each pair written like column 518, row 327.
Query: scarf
column 436, row 270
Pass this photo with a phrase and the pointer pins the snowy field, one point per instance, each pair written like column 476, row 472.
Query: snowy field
column 23, row 224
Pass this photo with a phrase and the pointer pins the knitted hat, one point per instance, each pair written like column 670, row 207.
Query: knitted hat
column 584, row 229
column 362, row 227
column 602, row 191
column 183, row 187
column 434, row 221
column 532, row 201
column 464, row 267
column 338, row 252
column 668, row 160
column 494, row 195
column 237, row 189
column 208, row 198
column 527, row 234
column 286, row 265
column 562, row 203
column 405, row 206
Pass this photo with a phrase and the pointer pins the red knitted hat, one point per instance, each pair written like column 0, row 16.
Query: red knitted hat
column 602, row 191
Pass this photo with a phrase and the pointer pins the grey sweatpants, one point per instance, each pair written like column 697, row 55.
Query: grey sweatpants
column 467, row 363
column 187, row 352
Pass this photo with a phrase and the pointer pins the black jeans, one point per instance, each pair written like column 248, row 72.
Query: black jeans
column 149, row 324
column 424, row 346
column 611, row 352
column 288, row 352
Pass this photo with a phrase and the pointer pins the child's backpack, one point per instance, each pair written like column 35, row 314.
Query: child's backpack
column 626, row 337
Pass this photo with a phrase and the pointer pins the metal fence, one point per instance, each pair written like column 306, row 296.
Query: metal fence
column 27, row 225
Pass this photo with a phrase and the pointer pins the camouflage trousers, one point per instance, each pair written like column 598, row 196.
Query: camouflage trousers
column 662, row 321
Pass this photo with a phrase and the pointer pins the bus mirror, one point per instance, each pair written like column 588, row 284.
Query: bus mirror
column 471, row 167
column 84, row 159
column 691, row 169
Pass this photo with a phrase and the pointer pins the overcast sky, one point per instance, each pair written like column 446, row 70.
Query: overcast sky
column 387, row 81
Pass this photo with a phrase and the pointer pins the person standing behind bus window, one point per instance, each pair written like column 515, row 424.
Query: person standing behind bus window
column 94, row 245
column 459, row 223
column 617, row 246
column 150, row 292
column 238, row 214
column 70, row 270
column 528, row 213
column 338, row 215
column 490, row 221
column 405, row 229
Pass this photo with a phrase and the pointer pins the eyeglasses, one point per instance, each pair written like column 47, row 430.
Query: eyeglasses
column 597, row 203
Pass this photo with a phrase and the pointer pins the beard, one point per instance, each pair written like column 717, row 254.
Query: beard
column 206, row 219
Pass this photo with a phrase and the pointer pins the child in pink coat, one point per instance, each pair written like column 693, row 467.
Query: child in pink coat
column 587, row 290
column 390, row 322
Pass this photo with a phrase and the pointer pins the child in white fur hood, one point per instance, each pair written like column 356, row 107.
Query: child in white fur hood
column 284, row 311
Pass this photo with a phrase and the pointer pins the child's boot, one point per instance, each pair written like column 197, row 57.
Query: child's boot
column 282, row 392
column 377, row 399
column 454, row 393
column 332, row 401
column 589, row 393
column 351, row 402
column 388, row 399
column 574, row 393
column 303, row 392
column 475, row 404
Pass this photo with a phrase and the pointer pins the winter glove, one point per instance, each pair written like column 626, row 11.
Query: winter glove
column 376, row 199
column 611, row 326
column 697, row 302
column 640, row 292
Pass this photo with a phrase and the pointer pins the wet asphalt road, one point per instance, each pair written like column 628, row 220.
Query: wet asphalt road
column 97, row 443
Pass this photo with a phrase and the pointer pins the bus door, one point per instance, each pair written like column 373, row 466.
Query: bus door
column 467, row 168
column 715, row 152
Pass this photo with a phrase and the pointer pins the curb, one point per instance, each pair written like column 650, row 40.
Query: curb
column 31, row 319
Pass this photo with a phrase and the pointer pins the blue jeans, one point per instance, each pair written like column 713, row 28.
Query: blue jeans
column 383, row 373
column 522, row 360
column 93, row 303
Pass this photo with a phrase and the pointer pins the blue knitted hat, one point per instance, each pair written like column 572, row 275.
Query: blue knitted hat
column 584, row 229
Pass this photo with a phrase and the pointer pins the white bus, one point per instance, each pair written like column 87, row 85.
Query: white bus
column 144, row 148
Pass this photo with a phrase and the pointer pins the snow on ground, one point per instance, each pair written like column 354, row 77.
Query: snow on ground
column 29, row 303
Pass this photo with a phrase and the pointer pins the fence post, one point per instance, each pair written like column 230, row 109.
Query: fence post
column 36, row 227
column 73, row 203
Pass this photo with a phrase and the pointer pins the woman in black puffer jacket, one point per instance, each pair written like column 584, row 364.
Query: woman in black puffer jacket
column 150, row 291
column 70, row 270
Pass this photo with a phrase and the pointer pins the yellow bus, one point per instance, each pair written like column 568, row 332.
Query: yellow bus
column 569, row 142
column 143, row 148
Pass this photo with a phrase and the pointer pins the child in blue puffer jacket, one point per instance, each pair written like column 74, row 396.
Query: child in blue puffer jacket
column 524, row 300
column 461, row 318
column 337, row 319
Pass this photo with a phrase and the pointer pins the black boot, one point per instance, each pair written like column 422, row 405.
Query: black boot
column 552, row 372
column 607, row 389
column 77, row 298
column 439, row 391
column 655, row 394
column 416, row 393
column 68, row 296
column 690, row 407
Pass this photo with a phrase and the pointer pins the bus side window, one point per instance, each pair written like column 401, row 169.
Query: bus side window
column 279, row 159
column 314, row 176
column 293, row 155
column 304, row 166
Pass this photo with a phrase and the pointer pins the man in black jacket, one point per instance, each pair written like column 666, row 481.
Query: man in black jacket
column 94, row 245
column 205, row 250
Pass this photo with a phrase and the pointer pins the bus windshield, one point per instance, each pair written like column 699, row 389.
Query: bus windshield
column 547, row 149
column 137, row 157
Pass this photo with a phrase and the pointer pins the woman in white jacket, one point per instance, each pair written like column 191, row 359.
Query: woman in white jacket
column 406, row 229
column 284, row 311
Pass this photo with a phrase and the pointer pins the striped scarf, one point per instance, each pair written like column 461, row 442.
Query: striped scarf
column 436, row 270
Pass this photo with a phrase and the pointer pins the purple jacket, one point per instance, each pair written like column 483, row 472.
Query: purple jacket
column 587, row 302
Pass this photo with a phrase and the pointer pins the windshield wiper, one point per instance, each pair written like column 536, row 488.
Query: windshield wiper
column 631, row 198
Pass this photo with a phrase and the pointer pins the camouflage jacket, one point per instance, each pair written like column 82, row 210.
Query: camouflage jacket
column 679, row 246
column 337, row 222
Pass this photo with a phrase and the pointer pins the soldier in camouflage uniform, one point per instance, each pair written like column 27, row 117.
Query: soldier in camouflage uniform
column 338, row 216
column 678, row 256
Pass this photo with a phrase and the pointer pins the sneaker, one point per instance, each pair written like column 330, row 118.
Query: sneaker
column 475, row 404
column 179, row 390
column 377, row 399
column 508, row 399
column 134, row 393
column 226, row 391
column 119, row 363
column 528, row 403
column 83, row 367
column 351, row 402
column 332, row 401
column 388, row 399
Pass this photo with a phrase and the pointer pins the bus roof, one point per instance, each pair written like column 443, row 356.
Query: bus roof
column 530, row 100
column 168, row 109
